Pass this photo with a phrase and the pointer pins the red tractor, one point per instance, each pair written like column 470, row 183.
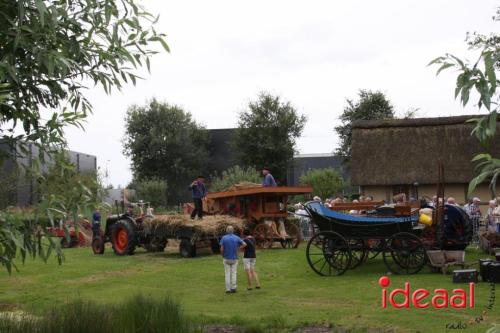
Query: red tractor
column 125, row 231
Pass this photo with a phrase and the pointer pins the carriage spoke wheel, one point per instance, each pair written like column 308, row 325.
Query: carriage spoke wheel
column 405, row 254
column 263, row 236
column 328, row 254
column 359, row 252
column 294, row 236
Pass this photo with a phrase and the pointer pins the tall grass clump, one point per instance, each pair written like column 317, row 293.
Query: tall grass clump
column 138, row 314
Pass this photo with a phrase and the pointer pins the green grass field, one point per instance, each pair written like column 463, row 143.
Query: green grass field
column 292, row 294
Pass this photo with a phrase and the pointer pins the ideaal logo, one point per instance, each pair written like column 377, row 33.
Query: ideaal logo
column 440, row 298
column 422, row 298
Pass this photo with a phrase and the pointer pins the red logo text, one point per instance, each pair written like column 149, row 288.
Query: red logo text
column 422, row 298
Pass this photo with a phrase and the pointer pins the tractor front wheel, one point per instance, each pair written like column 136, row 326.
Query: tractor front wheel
column 123, row 238
column 98, row 245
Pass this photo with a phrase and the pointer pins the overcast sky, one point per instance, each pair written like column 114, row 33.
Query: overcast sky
column 312, row 53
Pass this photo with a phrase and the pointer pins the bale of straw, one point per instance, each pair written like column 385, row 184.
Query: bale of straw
column 166, row 226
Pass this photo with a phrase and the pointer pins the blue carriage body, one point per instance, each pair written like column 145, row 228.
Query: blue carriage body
column 353, row 226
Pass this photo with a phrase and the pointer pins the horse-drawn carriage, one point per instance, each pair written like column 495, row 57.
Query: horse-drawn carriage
column 264, row 209
column 345, row 241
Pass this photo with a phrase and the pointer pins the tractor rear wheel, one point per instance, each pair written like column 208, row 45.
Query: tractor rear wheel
column 186, row 249
column 123, row 238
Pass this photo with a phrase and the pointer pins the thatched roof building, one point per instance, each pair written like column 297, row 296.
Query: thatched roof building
column 402, row 152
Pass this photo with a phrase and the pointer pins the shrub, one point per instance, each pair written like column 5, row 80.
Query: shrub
column 325, row 182
column 152, row 190
column 235, row 175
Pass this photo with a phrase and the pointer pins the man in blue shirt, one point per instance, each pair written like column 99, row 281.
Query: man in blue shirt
column 229, row 245
column 199, row 192
column 268, row 178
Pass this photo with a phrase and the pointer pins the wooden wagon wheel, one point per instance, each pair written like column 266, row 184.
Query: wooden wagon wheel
column 359, row 252
column 328, row 253
column 405, row 254
column 263, row 236
column 294, row 236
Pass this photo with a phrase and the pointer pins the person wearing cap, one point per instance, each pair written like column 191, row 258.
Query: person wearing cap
column 199, row 192
column 268, row 178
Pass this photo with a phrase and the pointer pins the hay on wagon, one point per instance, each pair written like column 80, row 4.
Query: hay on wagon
column 241, row 186
column 165, row 226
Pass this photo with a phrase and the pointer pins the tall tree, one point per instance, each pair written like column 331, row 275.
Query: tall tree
column 371, row 105
column 266, row 134
column 50, row 52
column 164, row 142
column 482, row 77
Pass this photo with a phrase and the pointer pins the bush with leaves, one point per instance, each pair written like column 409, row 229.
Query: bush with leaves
column 325, row 182
column 153, row 191
column 24, row 238
column 480, row 77
column 233, row 176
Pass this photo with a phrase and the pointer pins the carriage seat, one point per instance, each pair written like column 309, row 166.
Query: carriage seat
column 386, row 210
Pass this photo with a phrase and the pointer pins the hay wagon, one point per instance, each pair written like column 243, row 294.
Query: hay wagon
column 128, row 230
column 264, row 210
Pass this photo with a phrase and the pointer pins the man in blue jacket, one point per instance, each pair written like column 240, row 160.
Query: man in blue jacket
column 199, row 192
column 268, row 178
